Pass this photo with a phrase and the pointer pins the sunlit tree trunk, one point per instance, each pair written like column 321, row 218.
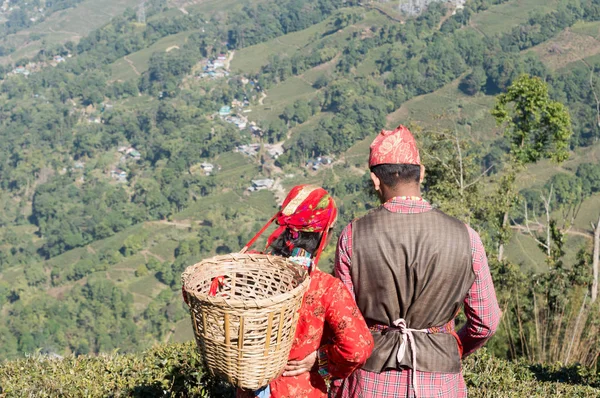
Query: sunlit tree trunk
column 596, row 260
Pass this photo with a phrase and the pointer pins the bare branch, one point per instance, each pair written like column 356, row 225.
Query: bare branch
column 445, row 165
column 460, row 162
column 528, row 230
column 547, row 201
column 475, row 181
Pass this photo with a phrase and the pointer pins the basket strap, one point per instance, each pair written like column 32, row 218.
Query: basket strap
column 217, row 283
column 263, row 229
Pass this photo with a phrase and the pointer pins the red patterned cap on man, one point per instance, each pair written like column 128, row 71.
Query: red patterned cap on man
column 394, row 147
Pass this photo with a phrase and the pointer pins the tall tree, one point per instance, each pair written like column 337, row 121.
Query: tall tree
column 536, row 128
column 596, row 259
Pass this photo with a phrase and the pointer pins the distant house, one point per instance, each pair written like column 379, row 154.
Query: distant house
column 275, row 151
column 21, row 70
column 259, row 185
column 255, row 130
column 248, row 150
column 313, row 164
column 218, row 64
column 222, row 57
column 325, row 160
column 225, row 110
column 135, row 154
column 79, row 165
column 207, row 168
column 119, row 175
column 239, row 122
column 316, row 164
column 58, row 59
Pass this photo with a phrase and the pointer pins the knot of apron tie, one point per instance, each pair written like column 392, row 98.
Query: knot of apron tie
column 408, row 338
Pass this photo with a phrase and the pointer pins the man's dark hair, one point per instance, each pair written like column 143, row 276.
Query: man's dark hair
column 393, row 174
column 308, row 241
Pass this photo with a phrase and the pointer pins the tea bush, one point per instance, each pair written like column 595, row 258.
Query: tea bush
column 175, row 371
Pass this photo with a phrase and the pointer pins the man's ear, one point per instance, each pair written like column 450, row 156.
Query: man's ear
column 422, row 177
column 376, row 182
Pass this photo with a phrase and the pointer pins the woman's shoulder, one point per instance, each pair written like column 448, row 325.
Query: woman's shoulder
column 325, row 280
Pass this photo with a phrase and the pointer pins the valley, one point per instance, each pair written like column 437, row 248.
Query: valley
column 93, row 238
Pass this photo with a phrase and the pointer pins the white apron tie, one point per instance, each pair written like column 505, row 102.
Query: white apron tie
column 407, row 336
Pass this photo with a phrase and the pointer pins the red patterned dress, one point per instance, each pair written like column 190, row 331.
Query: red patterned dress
column 328, row 314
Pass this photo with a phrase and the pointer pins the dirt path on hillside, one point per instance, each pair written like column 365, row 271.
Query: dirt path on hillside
column 130, row 62
column 382, row 12
column 59, row 291
column 181, row 223
column 278, row 191
column 285, row 44
column 169, row 334
column 147, row 253
column 65, row 32
column 474, row 26
column 229, row 59
column 261, row 100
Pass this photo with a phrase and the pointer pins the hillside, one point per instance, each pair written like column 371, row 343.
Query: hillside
column 68, row 21
column 130, row 145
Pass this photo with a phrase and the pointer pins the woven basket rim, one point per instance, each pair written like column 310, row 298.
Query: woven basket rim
column 223, row 302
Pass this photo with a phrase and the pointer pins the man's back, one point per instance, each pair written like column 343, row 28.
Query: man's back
column 480, row 307
column 410, row 268
column 420, row 265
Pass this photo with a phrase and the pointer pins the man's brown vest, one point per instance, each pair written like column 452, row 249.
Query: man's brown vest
column 417, row 267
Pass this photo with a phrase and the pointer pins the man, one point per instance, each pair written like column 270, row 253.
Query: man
column 410, row 268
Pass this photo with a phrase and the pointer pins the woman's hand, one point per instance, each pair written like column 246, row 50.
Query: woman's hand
column 295, row 368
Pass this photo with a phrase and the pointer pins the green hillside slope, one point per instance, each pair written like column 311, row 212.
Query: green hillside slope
column 117, row 170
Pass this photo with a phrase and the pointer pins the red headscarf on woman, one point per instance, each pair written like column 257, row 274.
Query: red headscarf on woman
column 305, row 209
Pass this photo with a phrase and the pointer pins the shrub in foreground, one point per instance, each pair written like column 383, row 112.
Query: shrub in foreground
column 175, row 371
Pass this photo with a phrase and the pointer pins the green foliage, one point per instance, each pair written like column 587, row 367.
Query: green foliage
column 487, row 376
column 141, row 271
column 474, row 82
column 163, row 371
column 93, row 317
column 589, row 173
column 536, row 126
column 35, row 275
column 133, row 244
column 177, row 371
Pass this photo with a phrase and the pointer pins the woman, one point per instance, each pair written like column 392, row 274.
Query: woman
column 332, row 339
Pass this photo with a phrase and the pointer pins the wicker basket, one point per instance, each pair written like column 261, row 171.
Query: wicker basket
column 245, row 331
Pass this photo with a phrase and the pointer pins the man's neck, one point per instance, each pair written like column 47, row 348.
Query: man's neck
column 403, row 190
